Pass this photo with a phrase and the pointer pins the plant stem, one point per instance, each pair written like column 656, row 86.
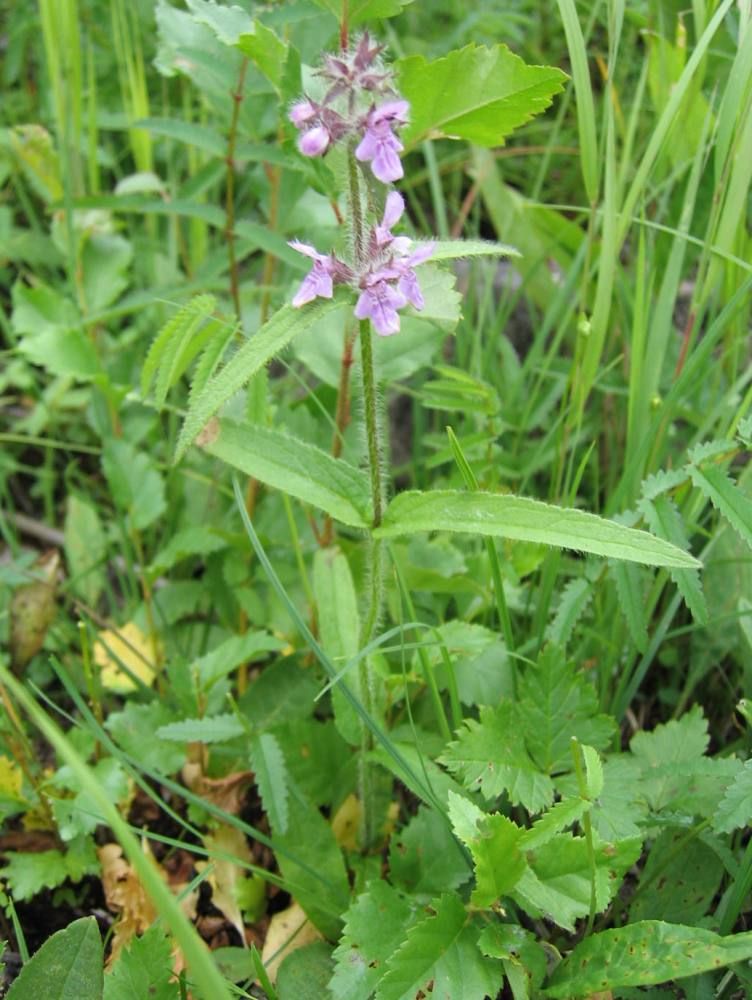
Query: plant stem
column 370, row 404
column 237, row 99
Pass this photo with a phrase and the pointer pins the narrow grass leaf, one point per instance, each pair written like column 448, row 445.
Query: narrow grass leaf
column 584, row 98
column 205, row 974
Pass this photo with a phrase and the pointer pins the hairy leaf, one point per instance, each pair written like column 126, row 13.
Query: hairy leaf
column 726, row 496
column 526, row 520
column 663, row 517
column 475, row 93
column 258, row 350
column 295, row 467
column 210, row 729
column 643, row 954
column 268, row 762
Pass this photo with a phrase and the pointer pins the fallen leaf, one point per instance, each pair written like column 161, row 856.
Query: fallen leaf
column 126, row 647
column 32, row 610
column 289, row 930
column 226, row 844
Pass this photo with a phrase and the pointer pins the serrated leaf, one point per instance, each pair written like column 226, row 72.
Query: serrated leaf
column 683, row 739
column 424, row 857
column 498, row 859
column 557, row 882
column 643, row 954
column 554, row 820
column 375, row 926
column 520, row 518
column 519, row 947
column 300, row 469
column 556, row 703
column 135, row 730
column 28, row 874
column 663, row 481
column 268, row 763
column 68, row 966
column 475, row 93
column 143, row 969
column 359, row 11
column 630, row 586
column 164, row 355
column 443, row 949
column 726, row 497
column 273, row 337
column 212, row 729
column 231, row 653
column 734, row 811
column 490, row 754
column 663, row 517
column 574, row 600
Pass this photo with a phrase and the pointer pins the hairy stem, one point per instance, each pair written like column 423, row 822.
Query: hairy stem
column 232, row 136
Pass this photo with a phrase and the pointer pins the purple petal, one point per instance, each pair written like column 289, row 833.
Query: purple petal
column 315, row 141
column 317, row 283
column 408, row 285
column 301, row 113
column 368, row 146
column 306, row 249
column 380, row 303
column 390, row 111
column 386, row 165
column 420, row 254
column 393, row 209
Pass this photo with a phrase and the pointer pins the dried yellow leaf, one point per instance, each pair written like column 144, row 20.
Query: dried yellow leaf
column 121, row 652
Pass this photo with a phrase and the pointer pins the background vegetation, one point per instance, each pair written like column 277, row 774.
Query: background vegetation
column 557, row 745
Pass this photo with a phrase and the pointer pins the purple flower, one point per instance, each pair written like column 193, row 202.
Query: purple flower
column 315, row 141
column 327, row 271
column 379, row 302
column 408, row 279
column 302, row 113
column 382, row 234
column 379, row 144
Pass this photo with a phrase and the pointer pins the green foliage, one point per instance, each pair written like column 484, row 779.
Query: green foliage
column 296, row 467
column 68, row 966
column 499, row 94
column 28, row 874
column 143, row 969
column 644, row 954
column 526, row 520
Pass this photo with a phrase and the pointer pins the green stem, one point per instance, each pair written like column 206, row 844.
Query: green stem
column 587, row 829
column 370, row 404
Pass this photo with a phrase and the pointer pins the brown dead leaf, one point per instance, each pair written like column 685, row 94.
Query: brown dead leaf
column 289, row 930
column 32, row 610
column 125, row 895
column 228, row 793
column 226, row 844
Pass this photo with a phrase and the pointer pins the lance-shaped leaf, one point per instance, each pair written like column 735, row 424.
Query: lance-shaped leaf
column 273, row 337
column 359, row 11
column 454, row 249
column 68, row 966
column 475, row 93
column 644, row 954
column 526, row 520
column 293, row 466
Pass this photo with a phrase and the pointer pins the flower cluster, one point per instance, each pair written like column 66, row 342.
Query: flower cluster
column 348, row 109
column 386, row 280
column 384, row 270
